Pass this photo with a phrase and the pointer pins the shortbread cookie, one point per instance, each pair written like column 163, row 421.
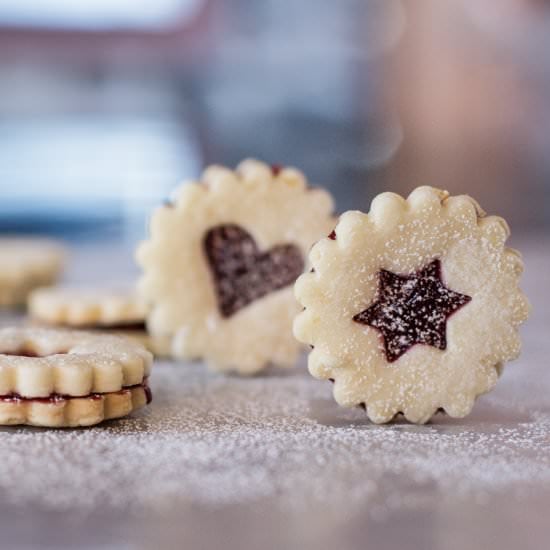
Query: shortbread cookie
column 61, row 378
column 118, row 311
column 221, row 261
column 87, row 307
column 71, row 412
column 26, row 264
column 413, row 307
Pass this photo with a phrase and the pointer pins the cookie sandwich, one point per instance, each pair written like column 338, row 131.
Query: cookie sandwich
column 116, row 309
column 60, row 378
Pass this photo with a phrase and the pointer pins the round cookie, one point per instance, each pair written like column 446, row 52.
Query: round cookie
column 221, row 261
column 413, row 307
column 60, row 378
column 87, row 307
column 118, row 310
column 27, row 264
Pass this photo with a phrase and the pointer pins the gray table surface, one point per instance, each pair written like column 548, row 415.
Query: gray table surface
column 273, row 462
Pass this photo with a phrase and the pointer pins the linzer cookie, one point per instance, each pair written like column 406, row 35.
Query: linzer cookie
column 27, row 264
column 59, row 378
column 221, row 261
column 87, row 307
column 413, row 307
column 115, row 310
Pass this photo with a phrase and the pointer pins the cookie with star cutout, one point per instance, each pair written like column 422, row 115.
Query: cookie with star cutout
column 221, row 261
column 414, row 307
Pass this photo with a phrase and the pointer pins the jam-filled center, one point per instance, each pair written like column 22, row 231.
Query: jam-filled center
column 241, row 272
column 412, row 309
column 57, row 397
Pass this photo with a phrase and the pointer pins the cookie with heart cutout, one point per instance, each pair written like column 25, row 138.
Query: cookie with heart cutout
column 27, row 263
column 413, row 307
column 221, row 260
column 59, row 378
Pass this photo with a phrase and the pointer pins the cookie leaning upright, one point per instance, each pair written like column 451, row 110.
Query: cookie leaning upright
column 60, row 378
column 413, row 307
column 27, row 264
column 221, row 261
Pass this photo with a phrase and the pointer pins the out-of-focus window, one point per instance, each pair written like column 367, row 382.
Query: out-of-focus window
column 90, row 141
column 96, row 14
column 105, row 105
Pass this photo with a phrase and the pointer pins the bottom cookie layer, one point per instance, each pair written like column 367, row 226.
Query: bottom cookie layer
column 71, row 412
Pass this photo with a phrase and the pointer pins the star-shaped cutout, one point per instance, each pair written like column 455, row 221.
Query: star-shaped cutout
column 412, row 309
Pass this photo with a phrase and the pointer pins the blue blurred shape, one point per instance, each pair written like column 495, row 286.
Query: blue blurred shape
column 96, row 14
column 64, row 174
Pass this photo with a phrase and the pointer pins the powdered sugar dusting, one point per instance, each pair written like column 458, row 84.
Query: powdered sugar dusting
column 217, row 441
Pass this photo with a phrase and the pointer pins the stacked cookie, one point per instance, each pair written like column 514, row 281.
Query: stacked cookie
column 56, row 378
column 64, row 378
column 117, row 310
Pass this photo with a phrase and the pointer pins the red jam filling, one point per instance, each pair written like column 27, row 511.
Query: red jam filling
column 56, row 397
column 242, row 273
column 412, row 309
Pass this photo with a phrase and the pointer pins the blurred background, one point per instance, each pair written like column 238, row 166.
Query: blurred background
column 105, row 105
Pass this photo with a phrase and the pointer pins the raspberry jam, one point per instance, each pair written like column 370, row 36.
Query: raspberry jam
column 412, row 309
column 51, row 399
column 58, row 398
column 241, row 272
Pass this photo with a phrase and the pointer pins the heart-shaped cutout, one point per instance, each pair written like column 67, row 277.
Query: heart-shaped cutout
column 242, row 273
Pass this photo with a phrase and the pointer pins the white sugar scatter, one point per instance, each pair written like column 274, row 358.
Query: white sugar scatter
column 217, row 441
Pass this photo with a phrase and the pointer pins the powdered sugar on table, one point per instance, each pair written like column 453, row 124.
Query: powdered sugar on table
column 219, row 441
